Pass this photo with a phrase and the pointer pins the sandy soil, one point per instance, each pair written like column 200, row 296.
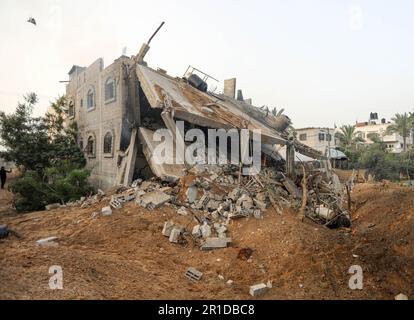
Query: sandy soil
column 125, row 256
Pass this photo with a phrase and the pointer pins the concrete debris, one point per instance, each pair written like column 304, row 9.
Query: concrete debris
column 205, row 230
column 230, row 282
column 47, row 242
column 258, row 289
column 168, row 226
column 192, row 193
column 215, row 243
column 197, row 231
column 154, row 199
column 116, row 204
column 182, row 211
column 106, row 211
column 175, row 234
column 193, row 274
column 401, row 296
column 52, row 206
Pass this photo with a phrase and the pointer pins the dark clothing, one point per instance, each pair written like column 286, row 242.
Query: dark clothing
column 3, row 177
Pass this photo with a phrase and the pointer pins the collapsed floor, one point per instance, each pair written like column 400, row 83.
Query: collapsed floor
column 125, row 255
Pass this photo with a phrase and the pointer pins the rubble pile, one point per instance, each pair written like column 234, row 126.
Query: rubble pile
column 213, row 195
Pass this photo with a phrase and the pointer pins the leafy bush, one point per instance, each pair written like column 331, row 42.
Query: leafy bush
column 53, row 165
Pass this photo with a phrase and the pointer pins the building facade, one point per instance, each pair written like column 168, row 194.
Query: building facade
column 321, row 139
column 378, row 129
column 100, row 102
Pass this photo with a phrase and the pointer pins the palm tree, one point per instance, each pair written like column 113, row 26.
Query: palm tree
column 402, row 125
column 347, row 136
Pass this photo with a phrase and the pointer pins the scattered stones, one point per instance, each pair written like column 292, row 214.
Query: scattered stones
column 193, row 274
column 182, row 211
column 52, row 206
column 401, row 296
column 47, row 242
column 106, row 211
column 258, row 289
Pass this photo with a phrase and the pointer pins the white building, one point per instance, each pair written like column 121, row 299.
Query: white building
column 393, row 142
column 321, row 139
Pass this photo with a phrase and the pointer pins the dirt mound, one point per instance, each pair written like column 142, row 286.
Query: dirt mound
column 125, row 256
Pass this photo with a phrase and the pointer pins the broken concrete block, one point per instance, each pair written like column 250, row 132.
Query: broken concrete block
column 47, row 242
column 213, row 205
column 257, row 214
column 175, row 235
column 401, row 297
column 291, row 187
column 258, row 289
column 205, row 230
column 192, row 193
column 260, row 204
column 215, row 243
column 154, row 199
column 182, row 211
column 168, row 226
column 202, row 202
column 116, row 204
column 135, row 183
column 245, row 202
column 106, row 211
column 52, row 206
column 193, row 274
column 196, row 231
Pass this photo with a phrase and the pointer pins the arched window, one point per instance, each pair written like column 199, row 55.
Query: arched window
column 91, row 99
column 110, row 90
column 81, row 144
column 108, row 142
column 90, row 147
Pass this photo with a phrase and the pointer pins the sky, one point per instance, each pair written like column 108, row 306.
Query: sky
column 325, row 62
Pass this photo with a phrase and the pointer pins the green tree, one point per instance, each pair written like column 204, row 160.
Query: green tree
column 348, row 137
column 402, row 125
column 46, row 148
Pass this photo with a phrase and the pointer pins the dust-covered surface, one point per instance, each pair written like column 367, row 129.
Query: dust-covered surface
column 125, row 256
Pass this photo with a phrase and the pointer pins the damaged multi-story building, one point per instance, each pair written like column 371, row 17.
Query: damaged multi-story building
column 118, row 107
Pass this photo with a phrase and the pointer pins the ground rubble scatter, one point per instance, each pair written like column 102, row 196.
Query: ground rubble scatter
column 143, row 245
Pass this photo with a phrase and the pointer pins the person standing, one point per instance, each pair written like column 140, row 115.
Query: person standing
column 3, row 176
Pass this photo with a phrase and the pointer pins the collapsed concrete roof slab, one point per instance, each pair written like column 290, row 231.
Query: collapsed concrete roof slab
column 197, row 107
column 167, row 172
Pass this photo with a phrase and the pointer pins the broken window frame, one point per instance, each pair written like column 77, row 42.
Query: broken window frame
column 108, row 152
column 110, row 82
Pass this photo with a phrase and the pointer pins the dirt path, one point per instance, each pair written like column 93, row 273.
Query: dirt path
column 124, row 256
